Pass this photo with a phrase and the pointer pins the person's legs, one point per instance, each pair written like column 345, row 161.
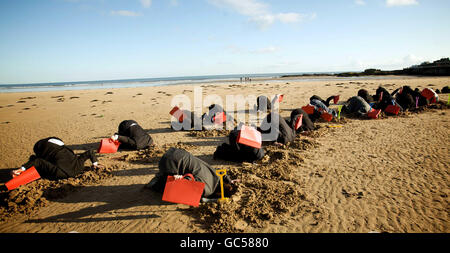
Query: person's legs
column 46, row 169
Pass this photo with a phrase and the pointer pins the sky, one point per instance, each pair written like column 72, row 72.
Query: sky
column 81, row 40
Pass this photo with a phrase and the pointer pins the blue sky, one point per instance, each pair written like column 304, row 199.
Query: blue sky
column 81, row 40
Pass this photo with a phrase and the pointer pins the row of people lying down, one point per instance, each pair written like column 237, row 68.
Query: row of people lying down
column 53, row 160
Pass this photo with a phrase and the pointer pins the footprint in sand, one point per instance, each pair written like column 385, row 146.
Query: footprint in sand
column 109, row 93
column 21, row 101
column 74, row 97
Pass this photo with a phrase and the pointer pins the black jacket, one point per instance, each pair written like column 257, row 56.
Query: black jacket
column 133, row 136
column 61, row 156
column 180, row 162
column 283, row 131
column 237, row 152
column 307, row 124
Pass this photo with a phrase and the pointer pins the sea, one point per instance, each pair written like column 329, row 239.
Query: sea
column 164, row 81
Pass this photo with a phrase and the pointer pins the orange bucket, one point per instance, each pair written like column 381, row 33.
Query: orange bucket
column 25, row 177
column 108, row 146
column 249, row 136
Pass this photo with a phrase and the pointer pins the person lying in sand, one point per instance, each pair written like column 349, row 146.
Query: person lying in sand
column 365, row 95
column 178, row 162
column 283, row 131
column 307, row 124
column 236, row 152
column 132, row 136
column 53, row 160
column 319, row 109
column 262, row 103
column 405, row 97
column 356, row 106
column 384, row 99
column 325, row 102
column 209, row 118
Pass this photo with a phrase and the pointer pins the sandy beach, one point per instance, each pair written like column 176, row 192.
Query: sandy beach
column 386, row 175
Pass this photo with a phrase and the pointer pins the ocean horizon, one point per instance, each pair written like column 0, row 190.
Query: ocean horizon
column 163, row 81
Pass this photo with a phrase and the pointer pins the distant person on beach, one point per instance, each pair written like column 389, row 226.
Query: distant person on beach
column 53, row 160
column 236, row 152
column 132, row 136
column 178, row 162
column 307, row 124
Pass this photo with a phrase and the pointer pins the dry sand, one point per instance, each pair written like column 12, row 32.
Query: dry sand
column 385, row 175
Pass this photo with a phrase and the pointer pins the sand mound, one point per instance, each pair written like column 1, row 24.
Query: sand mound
column 209, row 133
column 258, row 203
column 27, row 199
column 267, row 194
column 152, row 154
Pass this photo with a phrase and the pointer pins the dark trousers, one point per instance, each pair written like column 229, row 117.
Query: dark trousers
column 51, row 171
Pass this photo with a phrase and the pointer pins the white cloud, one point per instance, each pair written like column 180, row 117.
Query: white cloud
column 259, row 12
column 360, row 2
column 125, row 13
column 146, row 3
column 391, row 3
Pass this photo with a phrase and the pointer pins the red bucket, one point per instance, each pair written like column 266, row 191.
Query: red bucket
column 182, row 191
column 427, row 93
column 280, row 97
column 298, row 122
column 220, row 118
column 249, row 136
column 392, row 109
column 326, row 116
column 336, row 99
column 177, row 113
column 25, row 177
column 373, row 114
column 107, row 145
column 309, row 109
